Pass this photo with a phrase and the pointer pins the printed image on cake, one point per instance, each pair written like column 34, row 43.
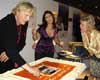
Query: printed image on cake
column 48, row 69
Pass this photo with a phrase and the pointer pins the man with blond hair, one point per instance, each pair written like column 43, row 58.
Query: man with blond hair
column 13, row 30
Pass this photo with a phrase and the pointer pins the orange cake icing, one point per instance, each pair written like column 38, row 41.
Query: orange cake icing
column 58, row 70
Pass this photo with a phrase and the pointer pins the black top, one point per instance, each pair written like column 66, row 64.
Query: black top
column 8, row 39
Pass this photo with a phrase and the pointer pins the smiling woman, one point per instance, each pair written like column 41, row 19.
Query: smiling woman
column 91, row 39
column 45, row 34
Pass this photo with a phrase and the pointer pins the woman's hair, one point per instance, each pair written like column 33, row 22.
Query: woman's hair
column 23, row 6
column 89, row 19
column 44, row 22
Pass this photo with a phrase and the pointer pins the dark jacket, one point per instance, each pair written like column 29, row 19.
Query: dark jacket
column 8, row 40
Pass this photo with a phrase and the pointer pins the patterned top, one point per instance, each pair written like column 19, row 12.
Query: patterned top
column 45, row 43
column 92, row 44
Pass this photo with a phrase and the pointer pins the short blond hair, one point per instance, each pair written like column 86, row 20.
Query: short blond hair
column 89, row 19
column 23, row 6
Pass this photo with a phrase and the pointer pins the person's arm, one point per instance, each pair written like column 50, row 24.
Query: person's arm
column 13, row 54
column 33, row 70
column 94, row 46
column 8, row 35
column 35, row 34
column 58, row 41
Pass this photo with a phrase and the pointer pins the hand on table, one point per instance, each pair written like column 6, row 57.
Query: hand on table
column 35, row 71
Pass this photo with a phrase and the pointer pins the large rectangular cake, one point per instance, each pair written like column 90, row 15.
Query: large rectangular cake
column 53, row 69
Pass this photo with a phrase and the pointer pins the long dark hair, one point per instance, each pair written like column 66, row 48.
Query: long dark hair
column 44, row 22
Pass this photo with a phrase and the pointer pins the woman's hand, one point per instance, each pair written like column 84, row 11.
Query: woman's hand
column 35, row 34
column 34, row 31
column 61, row 43
column 34, row 45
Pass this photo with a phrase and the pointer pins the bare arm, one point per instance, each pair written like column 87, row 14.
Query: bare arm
column 35, row 34
column 34, row 71
column 31, row 70
column 58, row 41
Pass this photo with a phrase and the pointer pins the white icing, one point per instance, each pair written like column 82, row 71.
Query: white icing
column 80, row 67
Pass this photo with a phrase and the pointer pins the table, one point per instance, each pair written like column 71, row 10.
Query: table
column 73, row 44
column 72, row 75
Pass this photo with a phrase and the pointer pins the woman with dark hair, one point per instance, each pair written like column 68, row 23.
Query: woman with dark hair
column 46, row 34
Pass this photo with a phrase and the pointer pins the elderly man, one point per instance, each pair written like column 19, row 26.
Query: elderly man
column 13, row 30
